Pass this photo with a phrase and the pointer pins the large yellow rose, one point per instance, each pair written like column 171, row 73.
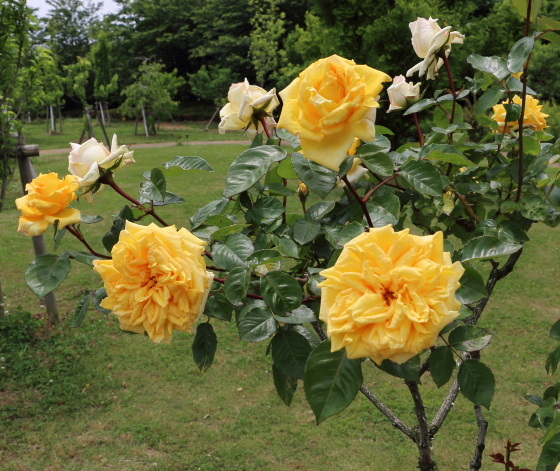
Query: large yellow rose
column 331, row 103
column 389, row 294
column 533, row 118
column 157, row 280
column 46, row 202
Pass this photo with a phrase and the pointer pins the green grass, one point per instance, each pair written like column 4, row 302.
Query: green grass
column 168, row 132
column 119, row 402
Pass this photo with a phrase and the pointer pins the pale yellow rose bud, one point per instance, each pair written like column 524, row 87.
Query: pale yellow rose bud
column 302, row 189
column 402, row 94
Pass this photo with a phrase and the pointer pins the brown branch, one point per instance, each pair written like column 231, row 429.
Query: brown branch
column 81, row 238
column 426, row 460
column 467, row 206
column 376, row 187
column 420, row 135
column 359, row 200
column 476, row 462
column 444, row 409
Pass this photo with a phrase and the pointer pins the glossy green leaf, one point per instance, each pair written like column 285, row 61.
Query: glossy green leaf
column 236, row 285
column 472, row 287
column 84, row 257
column 277, row 189
column 204, row 346
column 442, row 364
column 423, row 176
column 286, row 170
column 188, row 163
column 379, row 163
column 210, row 209
column 81, row 309
column 331, row 381
column 555, row 331
column 99, row 296
column 447, row 153
column 408, row 370
column 267, row 207
column 349, row 232
column 552, row 361
column 85, row 219
column 519, row 54
column 513, row 110
column 531, row 145
column 257, row 324
column 225, row 257
column 521, row 7
column 224, row 232
column 383, row 130
column 488, row 99
column 249, row 167
column 345, row 166
column 477, row 382
column 218, row 307
column 420, row 105
column 46, row 273
column 264, row 256
column 290, row 351
column 169, row 198
column 158, row 180
column 305, row 231
column 469, row 338
column 317, row 178
column 287, row 136
column 240, row 244
column 487, row 247
column 281, row 292
column 286, row 386
column 534, row 208
column 319, row 210
column 496, row 66
column 301, row 315
column 286, row 246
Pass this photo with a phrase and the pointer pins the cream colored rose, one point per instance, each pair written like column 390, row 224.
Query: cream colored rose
column 402, row 94
column 427, row 39
column 244, row 100
column 86, row 159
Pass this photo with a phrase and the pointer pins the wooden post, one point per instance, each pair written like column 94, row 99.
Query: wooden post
column 108, row 142
column 60, row 118
column 47, row 119
column 145, row 122
column 90, row 127
column 82, row 136
column 100, row 104
column 27, row 174
column 211, row 119
column 136, row 125
column 107, row 113
column 53, row 125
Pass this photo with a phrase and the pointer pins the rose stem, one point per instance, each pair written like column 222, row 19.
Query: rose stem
column 360, row 200
column 265, row 127
column 467, row 206
column 523, row 103
column 285, row 201
column 140, row 206
column 451, row 85
column 420, row 136
column 376, row 187
column 80, row 237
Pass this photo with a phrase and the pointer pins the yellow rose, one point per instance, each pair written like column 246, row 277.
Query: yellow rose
column 331, row 103
column 389, row 294
column 533, row 118
column 302, row 189
column 157, row 280
column 46, row 202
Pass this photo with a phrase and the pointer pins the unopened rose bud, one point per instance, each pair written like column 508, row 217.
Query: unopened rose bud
column 402, row 94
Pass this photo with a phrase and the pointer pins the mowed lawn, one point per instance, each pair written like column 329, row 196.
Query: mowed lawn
column 119, row 402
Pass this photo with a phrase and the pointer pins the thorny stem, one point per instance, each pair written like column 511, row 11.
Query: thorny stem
column 467, row 206
column 523, row 104
column 370, row 192
column 109, row 181
column 451, row 85
column 360, row 200
column 265, row 127
column 476, row 462
column 81, row 238
column 420, row 135
column 285, row 201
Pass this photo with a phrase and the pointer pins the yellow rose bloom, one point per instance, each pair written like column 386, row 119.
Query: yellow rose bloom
column 329, row 104
column 157, row 280
column 533, row 118
column 47, row 201
column 389, row 294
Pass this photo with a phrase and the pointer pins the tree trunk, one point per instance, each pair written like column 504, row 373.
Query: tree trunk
column 47, row 119
column 107, row 113
column 28, row 117
column 2, row 313
column 136, row 125
column 90, row 127
column 211, row 119
column 82, row 136
column 60, row 118
column 145, row 122
column 102, row 113
column 108, row 142
column 53, row 122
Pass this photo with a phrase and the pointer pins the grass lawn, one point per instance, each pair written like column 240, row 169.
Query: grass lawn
column 168, row 132
column 119, row 402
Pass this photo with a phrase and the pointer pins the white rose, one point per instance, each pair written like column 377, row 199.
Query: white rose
column 244, row 99
column 402, row 94
column 86, row 159
column 427, row 39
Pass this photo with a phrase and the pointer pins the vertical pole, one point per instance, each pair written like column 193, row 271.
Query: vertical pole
column 108, row 114
column 145, row 122
column 136, row 125
column 2, row 313
column 90, row 127
column 60, row 118
column 47, row 119
column 53, row 126
column 27, row 174
column 100, row 104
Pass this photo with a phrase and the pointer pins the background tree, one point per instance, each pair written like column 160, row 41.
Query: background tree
column 105, row 83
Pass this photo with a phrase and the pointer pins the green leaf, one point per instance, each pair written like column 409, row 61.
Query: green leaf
column 423, row 176
column 345, row 166
column 99, row 296
column 149, row 192
column 188, row 163
column 552, row 361
column 513, row 111
column 469, row 338
column 420, row 105
column 224, row 232
column 85, row 219
column 281, row 292
column 487, row 247
column 442, row 365
column 264, row 256
column 331, row 381
column 319, row 210
column 286, row 386
column 249, row 167
column 445, row 153
column 488, row 99
column 169, row 198
column 211, row 209
column 81, row 309
column 496, row 66
column 58, row 237
column 236, row 285
column 204, row 346
column 286, row 170
column 84, row 257
column 301, row 315
column 472, row 287
column 290, row 351
column 408, row 370
column 531, row 146
column 349, row 232
column 267, row 207
column 521, row 7
column 317, row 178
column 383, row 130
column 225, row 257
column 257, row 324
column 305, row 231
column 537, row 400
column 550, row 454
column 47, row 272
column 477, row 382
column 534, row 208
column 240, row 244
column 555, row 331
column 285, row 246
column 158, row 180
column 277, row 189
column 287, row 136
column 378, row 163
column 218, row 307
column 519, row 54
